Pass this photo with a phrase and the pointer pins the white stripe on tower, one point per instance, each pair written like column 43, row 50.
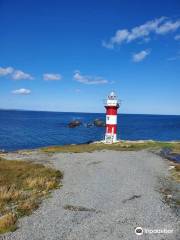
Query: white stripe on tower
column 111, row 119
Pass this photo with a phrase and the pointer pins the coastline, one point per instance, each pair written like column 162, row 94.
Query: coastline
column 44, row 129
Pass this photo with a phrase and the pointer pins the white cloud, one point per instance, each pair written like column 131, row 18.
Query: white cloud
column 52, row 77
column 160, row 25
column 19, row 75
column 167, row 27
column 5, row 71
column 109, row 44
column 177, row 37
column 138, row 57
column 14, row 74
column 88, row 79
column 119, row 37
column 22, row 91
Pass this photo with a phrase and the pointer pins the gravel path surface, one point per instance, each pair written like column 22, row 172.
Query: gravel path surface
column 105, row 196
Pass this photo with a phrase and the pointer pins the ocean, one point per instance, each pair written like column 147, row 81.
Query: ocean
column 33, row 129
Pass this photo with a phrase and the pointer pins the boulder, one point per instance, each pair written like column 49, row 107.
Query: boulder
column 99, row 123
column 74, row 123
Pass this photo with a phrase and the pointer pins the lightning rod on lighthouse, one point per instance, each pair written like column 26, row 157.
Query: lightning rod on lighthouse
column 111, row 105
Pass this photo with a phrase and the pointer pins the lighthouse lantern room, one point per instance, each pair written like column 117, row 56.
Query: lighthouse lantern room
column 111, row 105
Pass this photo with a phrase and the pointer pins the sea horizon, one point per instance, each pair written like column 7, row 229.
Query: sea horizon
column 55, row 111
column 25, row 129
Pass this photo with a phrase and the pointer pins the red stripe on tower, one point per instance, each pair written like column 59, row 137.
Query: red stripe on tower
column 111, row 106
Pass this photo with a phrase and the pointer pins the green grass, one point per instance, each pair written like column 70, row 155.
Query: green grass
column 22, row 187
column 121, row 146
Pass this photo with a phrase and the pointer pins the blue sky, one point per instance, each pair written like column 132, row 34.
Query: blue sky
column 68, row 55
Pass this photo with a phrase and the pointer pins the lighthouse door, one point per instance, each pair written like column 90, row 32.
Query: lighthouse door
column 109, row 138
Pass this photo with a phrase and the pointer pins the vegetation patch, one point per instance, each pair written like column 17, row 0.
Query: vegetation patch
column 22, row 187
column 175, row 173
column 78, row 208
column 170, row 189
column 119, row 146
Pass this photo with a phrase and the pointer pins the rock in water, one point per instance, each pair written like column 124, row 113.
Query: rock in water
column 99, row 123
column 74, row 123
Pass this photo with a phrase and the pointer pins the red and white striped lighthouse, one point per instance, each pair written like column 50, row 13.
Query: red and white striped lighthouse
column 111, row 105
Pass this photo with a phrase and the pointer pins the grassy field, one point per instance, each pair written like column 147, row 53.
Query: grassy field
column 120, row 146
column 22, row 187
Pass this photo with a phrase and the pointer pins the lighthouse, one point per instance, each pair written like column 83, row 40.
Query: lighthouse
column 111, row 105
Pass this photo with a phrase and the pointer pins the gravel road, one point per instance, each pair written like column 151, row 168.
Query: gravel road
column 105, row 196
